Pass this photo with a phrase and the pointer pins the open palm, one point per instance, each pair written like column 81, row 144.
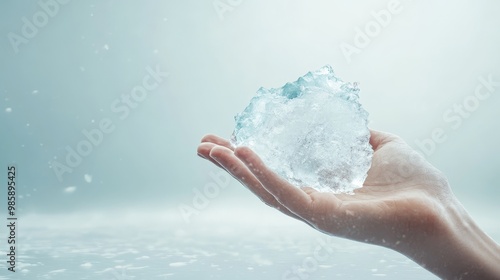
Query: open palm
column 397, row 196
column 405, row 204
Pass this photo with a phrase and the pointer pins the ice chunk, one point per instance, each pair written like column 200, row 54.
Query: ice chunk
column 313, row 132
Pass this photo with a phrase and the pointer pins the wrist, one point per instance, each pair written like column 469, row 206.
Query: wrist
column 453, row 246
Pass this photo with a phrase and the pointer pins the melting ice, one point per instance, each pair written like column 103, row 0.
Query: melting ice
column 313, row 132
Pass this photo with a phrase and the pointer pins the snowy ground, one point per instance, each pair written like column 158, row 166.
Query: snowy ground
column 220, row 244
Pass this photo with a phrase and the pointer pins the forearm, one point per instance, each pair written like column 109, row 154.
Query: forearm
column 458, row 249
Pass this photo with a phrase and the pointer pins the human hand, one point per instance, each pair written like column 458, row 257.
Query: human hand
column 405, row 203
column 392, row 196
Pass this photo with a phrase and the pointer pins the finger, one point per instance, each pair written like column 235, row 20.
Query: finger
column 204, row 152
column 239, row 171
column 217, row 140
column 293, row 198
column 380, row 138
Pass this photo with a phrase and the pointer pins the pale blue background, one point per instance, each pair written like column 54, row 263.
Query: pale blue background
column 427, row 59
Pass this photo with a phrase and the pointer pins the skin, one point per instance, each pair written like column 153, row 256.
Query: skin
column 405, row 204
